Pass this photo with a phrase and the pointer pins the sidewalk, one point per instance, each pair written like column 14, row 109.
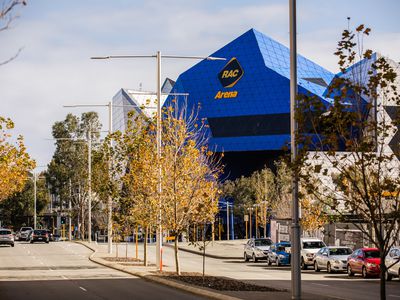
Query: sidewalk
column 217, row 249
column 100, row 256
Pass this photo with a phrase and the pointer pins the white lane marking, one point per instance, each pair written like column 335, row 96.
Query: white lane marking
column 83, row 289
column 320, row 284
column 395, row 296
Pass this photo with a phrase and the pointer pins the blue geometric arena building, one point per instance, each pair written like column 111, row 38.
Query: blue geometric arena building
column 246, row 98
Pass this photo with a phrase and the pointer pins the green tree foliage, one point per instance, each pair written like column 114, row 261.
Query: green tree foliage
column 68, row 170
column 17, row 209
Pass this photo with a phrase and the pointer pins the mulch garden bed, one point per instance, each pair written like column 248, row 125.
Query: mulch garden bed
column 217, row 283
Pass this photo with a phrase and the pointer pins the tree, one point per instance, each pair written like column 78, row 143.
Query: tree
column 15, row 162
column 68, row 169
column 190, row 173
column 354, row 168
column 136, row 149
column 7, row 16
column 263, row 183
column 16, row 209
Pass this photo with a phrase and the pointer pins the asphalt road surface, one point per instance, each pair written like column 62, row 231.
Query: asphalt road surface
column 62, row 271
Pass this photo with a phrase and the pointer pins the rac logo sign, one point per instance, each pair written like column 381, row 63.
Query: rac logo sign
column 231, row 73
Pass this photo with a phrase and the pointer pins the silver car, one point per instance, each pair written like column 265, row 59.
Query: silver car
column 257, row 249
column 392, row 262
column 6, row 237
column 23, row 233
column 332, row 259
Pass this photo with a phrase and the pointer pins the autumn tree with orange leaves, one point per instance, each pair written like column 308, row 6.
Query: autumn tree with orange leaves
column 15, row 162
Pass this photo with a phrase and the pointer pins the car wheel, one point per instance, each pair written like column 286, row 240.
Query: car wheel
column 31, row 242
column 364, row 272
column 47, row 242
column 269, row 262
column 329, row 268
column 246, row 259
column 278, row 262
column 12, row 245
column 388, row 276
column 303, row 265
column 254, row 258
column 316, row 268
column 349, row 271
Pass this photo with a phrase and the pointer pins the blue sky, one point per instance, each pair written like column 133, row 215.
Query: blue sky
column 58, row 37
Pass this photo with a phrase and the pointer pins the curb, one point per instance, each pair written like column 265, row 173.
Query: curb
column 170, row 283
column 201, row 254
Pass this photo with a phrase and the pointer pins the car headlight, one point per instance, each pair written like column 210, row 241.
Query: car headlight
column 371, row 265
column 258, row 250
column 310, row 255
column 281, row 256
column 337, row 262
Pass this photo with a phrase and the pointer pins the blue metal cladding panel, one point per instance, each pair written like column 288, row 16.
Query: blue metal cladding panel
column 264, row 88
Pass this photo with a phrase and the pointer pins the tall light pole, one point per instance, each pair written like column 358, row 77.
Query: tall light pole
column 34, row 199
column 295, row 266
column 158, row 58
column 89, row 137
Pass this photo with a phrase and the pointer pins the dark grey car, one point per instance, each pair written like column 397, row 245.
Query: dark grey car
column 6, row 237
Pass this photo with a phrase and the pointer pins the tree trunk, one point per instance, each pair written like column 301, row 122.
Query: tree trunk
column 177, row 267
column 382, row 275
column 145, row 246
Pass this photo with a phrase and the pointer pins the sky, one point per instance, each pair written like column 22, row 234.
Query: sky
column 58, row 38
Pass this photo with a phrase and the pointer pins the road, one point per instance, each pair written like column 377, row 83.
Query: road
column 333, row 285
column 63, row 271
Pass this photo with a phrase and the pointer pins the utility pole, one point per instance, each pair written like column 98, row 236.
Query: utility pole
column 109, row 202
column 295, row 266
column 227, row 220
column 69, row 212
column 34, row 200
column 89, row 136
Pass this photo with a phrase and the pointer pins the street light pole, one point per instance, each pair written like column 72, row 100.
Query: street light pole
column 89, row 136
column 295, row 266
column 159, row 238
column 35, row 199
column 158, row 58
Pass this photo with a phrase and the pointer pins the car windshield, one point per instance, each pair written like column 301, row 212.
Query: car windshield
column 2, row 232
column 313, row 245
column 340, row 251
column 26, row 228
column 371, row 254
column 263, row 242
column 41, row 232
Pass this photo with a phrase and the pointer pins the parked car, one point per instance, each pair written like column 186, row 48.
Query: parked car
column 6, row 237
column 39, row 235
column 279, row 254
column 23, row 233
column 364, row 261
column 392, row 262
column 332, row 259
column 309, row 246
column 257, row 249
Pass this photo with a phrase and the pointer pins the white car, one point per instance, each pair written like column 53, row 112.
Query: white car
column 309, row 247
column 332, row 259
column 257, row 249
column 392, row 262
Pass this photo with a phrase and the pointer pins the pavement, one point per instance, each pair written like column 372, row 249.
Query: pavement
column 220, row 250
column 217, row 249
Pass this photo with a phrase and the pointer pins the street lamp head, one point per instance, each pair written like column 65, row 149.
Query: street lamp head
column 215, row 58
column 100, row 57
